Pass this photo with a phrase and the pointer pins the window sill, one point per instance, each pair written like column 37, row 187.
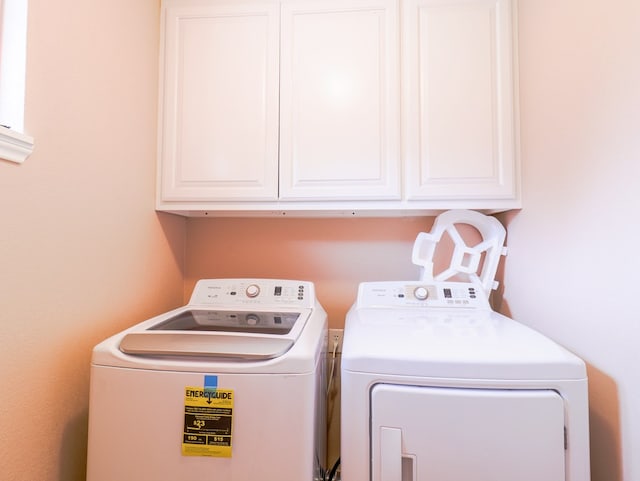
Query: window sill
column 14, row 146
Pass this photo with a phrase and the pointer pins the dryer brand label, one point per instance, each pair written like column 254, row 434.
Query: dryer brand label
column 208, row 419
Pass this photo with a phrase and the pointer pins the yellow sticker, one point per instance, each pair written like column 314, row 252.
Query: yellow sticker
column 208, row 418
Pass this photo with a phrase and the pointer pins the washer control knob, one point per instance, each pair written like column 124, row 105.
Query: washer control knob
column 421, row 293
column 252, row 319
column 252, row 290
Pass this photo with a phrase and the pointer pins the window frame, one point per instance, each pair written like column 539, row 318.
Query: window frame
column 15, row 145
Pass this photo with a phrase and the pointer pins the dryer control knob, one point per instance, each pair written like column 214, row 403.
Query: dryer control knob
column 253, row 290
column 421, row 293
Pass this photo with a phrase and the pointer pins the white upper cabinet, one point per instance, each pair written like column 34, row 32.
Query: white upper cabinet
column 339, row 100
column 372, row 107
column 458, row 100
column 219, row 127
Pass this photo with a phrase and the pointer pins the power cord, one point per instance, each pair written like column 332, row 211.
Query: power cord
column 330, row 476
column 334, row 470
column 333, row 367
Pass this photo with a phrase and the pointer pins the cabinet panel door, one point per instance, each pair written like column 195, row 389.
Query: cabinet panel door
column 458, row 109
column 220, row 103
column 339, row 100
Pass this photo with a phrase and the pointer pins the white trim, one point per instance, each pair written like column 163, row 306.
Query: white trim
column 14, row 146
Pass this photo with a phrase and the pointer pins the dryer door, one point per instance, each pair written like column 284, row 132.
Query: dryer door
column 450, row 434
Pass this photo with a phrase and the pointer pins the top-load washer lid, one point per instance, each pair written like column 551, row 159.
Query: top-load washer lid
column 250, row 335
column 230, row 321
column 228, row 325
column 238, row 319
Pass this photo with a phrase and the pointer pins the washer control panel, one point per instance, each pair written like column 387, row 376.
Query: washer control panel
column 253, row 292
column 421, row 294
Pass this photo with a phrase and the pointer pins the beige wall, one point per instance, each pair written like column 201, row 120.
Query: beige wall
column 82, row 252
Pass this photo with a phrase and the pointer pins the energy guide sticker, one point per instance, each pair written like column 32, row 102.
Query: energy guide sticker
column 208, row 418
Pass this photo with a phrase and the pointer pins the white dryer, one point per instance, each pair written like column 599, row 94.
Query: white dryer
column 229, row 387
column 436, row 386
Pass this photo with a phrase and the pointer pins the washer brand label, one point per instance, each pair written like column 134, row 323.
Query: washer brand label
column 208, row 419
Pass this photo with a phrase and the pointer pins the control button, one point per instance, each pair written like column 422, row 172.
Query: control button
column 252, row 319
column 253, row 290
column 421, row 293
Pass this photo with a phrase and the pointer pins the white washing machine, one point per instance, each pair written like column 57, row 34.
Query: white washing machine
column 438, row 387
column 229, row 387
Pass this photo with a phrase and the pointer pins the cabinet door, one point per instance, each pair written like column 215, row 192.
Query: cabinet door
column 458, row 108
column 220, row 102
column 339, row 117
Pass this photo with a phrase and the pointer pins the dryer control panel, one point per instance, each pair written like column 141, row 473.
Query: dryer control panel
column 264, row 293
column 422, row 294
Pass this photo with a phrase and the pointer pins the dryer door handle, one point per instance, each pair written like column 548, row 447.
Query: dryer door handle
column 390, row 454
